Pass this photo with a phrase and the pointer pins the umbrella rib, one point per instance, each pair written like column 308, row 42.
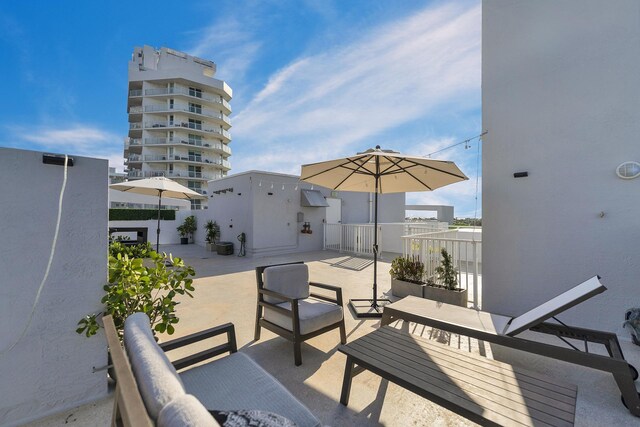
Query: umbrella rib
column 403, row 169
column 348, row 161
column 437, row 169
column 357, row 170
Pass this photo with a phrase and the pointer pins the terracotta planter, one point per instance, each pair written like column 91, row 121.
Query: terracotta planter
column 401, row 289
column 455, row 297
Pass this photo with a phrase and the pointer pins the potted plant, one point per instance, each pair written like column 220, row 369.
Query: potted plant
column 135, row 287
column 445, row 288
column 184, row 235
column 407, row 276
column 186, row 229
column 213, row 234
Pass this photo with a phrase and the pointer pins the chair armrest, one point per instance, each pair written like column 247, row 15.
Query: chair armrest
column 229, row 346
column 336, row 289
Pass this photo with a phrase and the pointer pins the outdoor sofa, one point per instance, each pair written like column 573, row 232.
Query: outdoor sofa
column 149, row 391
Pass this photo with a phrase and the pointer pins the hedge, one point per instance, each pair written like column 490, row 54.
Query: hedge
column 141, row 214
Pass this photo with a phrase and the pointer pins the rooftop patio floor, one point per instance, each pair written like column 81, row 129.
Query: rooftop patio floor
column 226, row 292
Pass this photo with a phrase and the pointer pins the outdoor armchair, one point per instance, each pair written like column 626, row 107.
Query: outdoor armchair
column 287, row 307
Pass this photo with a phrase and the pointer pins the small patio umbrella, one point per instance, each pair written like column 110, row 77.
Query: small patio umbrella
column 158, row 186
column 381, row 171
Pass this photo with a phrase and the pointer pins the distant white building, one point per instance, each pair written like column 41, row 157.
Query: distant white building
column 561, row 104
column 178, row 119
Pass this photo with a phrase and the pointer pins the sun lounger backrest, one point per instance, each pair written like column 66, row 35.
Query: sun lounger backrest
column 555, row 305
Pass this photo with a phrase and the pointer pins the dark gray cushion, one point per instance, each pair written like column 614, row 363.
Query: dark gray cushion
column 313, row 314
column 290, row 280
column 157, row 379
column 185, row 411
column 237, row 382
column 251, row 418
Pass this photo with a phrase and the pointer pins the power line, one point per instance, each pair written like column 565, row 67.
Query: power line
column 466, row 141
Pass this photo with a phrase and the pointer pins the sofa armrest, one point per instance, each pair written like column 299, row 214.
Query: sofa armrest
column 229, row 346
column 336, row 289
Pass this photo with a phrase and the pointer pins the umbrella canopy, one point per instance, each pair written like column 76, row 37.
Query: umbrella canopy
column 158, row 186
column 381, row 171
column 391, row 171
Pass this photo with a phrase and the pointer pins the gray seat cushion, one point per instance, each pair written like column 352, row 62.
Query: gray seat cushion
column 314, row 315
column 157, row 379
column 185, row 411
column 237, row 382
column 291, row 280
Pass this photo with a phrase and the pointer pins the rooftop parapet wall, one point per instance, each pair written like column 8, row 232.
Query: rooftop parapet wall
column 50, row 367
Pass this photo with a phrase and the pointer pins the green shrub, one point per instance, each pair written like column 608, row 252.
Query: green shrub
column 447, row 274
column 134, row 287
column 141, row 214
column 408, row 269
column 142, row 250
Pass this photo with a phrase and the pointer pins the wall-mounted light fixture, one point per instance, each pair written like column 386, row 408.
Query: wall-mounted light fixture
column 628, row 170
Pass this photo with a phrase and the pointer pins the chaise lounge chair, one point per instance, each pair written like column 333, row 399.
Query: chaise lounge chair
column 502, row 330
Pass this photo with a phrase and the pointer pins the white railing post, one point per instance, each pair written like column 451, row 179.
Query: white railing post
column 324, row 240
column 475, row 275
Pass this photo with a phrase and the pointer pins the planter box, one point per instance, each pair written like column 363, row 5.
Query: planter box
column 401, row 289
column 211, row 247
column 224, row 248
column 184, row 240
column 457, row 297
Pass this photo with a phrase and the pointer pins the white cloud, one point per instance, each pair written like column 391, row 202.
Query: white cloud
column 334, row 101
column 81, row 140
column 231, row 44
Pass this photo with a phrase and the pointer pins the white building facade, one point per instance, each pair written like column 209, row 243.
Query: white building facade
column 561, row 102
column 178, row 119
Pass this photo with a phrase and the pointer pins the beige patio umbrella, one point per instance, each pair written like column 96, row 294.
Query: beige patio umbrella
column 381, row 171
column 158, row 186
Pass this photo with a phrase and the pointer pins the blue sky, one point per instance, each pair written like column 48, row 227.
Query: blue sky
column 312, row 80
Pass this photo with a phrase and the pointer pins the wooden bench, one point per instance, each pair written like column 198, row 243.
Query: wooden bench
column 485, row 391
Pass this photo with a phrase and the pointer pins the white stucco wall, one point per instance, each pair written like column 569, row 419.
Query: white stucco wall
column 560, row 100
column 50, row 367
column 270, row 220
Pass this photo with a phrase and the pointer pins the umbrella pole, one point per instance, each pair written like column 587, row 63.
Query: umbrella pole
column 374, row 304
column 158, row 229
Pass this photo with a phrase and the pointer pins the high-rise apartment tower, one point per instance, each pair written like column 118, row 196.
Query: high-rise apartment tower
column 178, row 119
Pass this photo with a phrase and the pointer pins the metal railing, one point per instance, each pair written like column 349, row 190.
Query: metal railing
column 179, row 90
column 465, row 248
column 157, row 158
column 353, row 238
column 169, row 109
column 196, row 143
column 136, row 125
column 188, row 125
